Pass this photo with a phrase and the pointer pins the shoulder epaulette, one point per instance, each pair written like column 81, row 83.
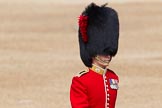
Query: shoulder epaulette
column 81, row 73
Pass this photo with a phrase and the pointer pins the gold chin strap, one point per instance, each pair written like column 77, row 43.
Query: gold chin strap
column 102, row 62
column 98, row 69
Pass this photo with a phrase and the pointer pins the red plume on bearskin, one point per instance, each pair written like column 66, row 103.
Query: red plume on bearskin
column 83, row 23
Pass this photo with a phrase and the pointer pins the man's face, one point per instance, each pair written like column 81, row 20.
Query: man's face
column 102, row 60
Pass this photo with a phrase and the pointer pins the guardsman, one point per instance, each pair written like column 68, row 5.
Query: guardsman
column 98, row 40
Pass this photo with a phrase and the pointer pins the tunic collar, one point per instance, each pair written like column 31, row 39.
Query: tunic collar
column 98, row 69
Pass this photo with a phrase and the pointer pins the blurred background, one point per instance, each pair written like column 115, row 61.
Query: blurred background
column 39, row 52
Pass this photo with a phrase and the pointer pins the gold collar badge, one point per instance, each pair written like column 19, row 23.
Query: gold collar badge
column 98, row 69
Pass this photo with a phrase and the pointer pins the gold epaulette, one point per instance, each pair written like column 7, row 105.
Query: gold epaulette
column 82, row 73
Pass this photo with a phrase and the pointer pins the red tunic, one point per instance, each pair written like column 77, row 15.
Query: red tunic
column 94, row 90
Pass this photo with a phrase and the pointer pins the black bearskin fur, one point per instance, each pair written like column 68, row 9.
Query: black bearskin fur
column 102, row 31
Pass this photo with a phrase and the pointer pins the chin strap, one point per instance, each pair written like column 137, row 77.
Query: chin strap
column 106, row 63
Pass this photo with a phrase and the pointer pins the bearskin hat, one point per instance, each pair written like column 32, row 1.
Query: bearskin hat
column 98, row 32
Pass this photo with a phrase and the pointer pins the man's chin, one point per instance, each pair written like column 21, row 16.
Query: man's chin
column 104, row 64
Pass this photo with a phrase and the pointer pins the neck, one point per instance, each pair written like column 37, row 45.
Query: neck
column 100, row 65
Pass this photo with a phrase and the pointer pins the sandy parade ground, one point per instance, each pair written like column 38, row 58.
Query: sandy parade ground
column 39, row 53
